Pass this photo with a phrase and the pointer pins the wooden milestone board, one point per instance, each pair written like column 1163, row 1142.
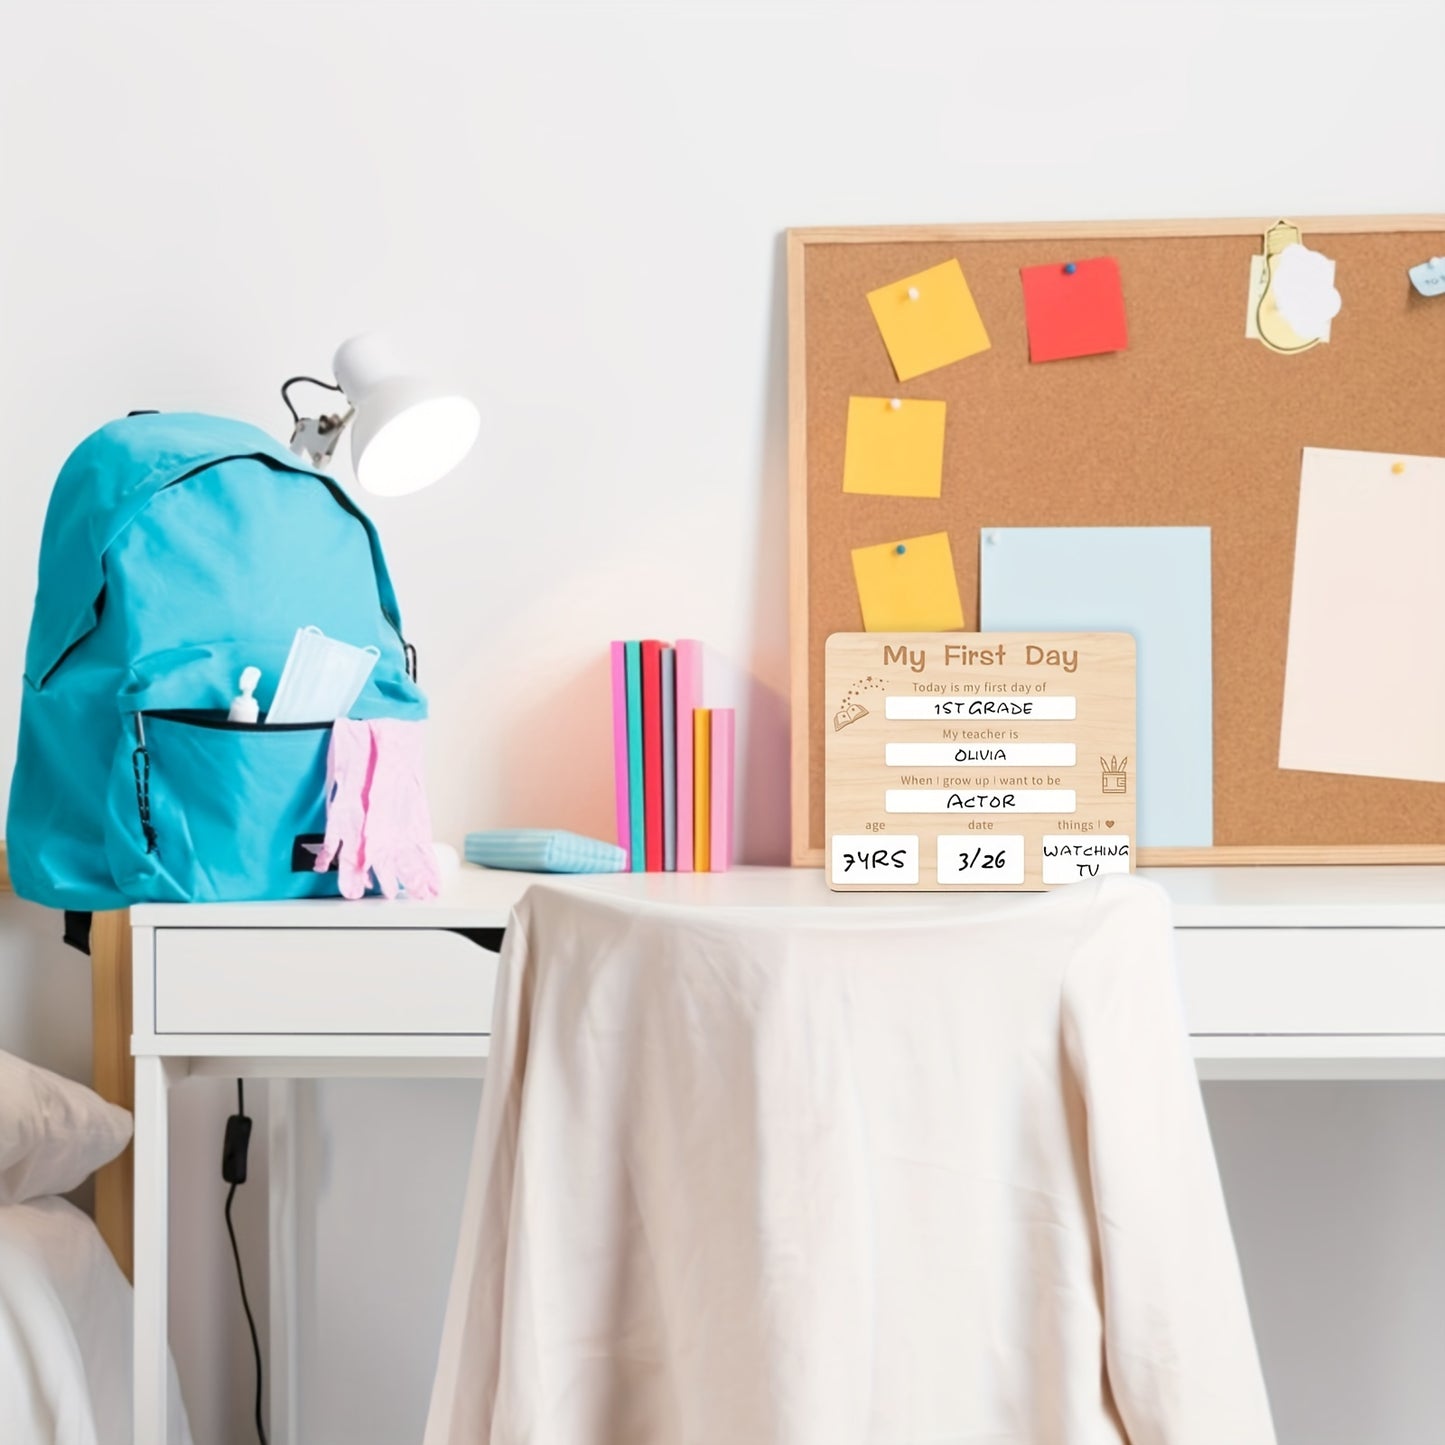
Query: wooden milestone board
column 1191, row 425
column 985, row 760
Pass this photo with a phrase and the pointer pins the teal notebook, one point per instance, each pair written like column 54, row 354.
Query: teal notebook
column 633, row 655
column 543, row 850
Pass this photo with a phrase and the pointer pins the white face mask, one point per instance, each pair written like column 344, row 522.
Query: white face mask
column 321, row 680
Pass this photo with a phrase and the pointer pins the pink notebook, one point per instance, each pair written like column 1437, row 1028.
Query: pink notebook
column 722, row 790
column 688, row 667
column 619, row 745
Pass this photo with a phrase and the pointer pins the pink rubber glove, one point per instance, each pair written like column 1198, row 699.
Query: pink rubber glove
column 398, row 839
column 349, row 765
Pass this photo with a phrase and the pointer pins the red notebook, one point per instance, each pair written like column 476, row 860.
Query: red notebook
column 652, row 752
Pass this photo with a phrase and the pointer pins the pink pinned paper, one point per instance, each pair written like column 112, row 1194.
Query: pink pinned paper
column 722, row 789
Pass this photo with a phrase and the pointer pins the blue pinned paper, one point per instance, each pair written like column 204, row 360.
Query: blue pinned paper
column 1428, row 278
column 1153, row 582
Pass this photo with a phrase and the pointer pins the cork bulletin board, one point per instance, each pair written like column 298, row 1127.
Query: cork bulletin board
column 1191, row 425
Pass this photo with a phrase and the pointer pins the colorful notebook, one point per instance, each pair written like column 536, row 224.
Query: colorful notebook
column 637, row 849
column 720, row 764
column 701, row 783
column 689, row 697
column 669, row 760
column 619, row 745
column 652, row 753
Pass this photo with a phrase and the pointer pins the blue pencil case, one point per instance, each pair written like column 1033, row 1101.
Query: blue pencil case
column 544, row 850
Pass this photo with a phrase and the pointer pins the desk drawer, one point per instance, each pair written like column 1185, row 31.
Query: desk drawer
column 1313, row 980
column 321, row 981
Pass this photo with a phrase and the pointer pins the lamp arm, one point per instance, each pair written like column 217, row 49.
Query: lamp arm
column 296, row 380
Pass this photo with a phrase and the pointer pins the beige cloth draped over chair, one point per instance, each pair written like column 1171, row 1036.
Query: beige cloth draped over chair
column 930, row 1171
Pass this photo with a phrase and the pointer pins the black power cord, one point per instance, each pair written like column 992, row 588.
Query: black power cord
column 233, row 1171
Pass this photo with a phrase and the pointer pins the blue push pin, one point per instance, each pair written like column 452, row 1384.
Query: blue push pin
column 1070, row 269
column 900, row 549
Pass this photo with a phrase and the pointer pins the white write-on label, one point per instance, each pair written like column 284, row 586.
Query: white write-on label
column 1012, row 709
column 979, row 800
column 980, row 860
column 1067, row 859
column 979, row 755
column 875, row 858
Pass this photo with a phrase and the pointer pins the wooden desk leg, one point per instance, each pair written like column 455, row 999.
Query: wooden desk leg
column 113, row 1078
column 152, row 1274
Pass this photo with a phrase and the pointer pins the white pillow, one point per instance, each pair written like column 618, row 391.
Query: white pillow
column 54, row 1133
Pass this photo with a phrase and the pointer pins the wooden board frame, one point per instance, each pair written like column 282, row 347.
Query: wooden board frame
column 803, row 853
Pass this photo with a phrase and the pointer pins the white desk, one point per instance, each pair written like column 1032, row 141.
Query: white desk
column 1293, row 973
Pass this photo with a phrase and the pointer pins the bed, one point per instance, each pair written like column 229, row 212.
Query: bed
column 65, row 1331
column 65, row 1296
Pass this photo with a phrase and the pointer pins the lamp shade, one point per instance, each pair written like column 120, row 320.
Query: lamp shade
column 407, row 433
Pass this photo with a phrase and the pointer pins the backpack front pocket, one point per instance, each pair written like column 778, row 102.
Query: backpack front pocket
column 202, row 810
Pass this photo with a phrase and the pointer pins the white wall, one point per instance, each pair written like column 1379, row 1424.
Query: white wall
column 576, row 210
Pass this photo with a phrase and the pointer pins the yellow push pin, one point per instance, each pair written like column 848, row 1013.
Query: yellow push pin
column 895, row 404
column 913, row 293
column 1398, row 468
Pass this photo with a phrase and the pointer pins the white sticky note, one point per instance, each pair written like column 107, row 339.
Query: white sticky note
column 1258, row 285
column 980, row 859
column 874, row 858
column 1304, row 291
column 1364, row 686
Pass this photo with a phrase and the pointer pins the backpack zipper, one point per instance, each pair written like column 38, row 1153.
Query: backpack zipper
column 140, row 765
column 219, row 722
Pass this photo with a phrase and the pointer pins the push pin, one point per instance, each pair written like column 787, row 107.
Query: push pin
column 913, row 293
column 1070, row 268
column 895, row 404
column 899, row 550
column 1398, row 468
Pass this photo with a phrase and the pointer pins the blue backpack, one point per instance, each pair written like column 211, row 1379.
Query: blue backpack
column 178, row 550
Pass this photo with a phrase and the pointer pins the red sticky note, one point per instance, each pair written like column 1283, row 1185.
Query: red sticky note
column 1074, row 313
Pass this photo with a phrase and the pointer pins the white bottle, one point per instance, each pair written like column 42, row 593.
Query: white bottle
column 244, row 707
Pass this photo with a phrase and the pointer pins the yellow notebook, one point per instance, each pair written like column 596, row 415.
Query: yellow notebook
column 701, row 789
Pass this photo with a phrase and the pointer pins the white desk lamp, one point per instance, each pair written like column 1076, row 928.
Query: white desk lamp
column 406, row 433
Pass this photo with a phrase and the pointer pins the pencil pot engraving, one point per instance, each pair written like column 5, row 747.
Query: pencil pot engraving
column 1114, row 774
column 202, row 810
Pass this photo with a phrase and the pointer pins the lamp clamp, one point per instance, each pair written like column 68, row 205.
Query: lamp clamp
column 315, row 437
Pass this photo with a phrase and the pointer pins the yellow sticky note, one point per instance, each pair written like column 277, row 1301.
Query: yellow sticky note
column 928, row 320
column 908, row 586
column 894, row 447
